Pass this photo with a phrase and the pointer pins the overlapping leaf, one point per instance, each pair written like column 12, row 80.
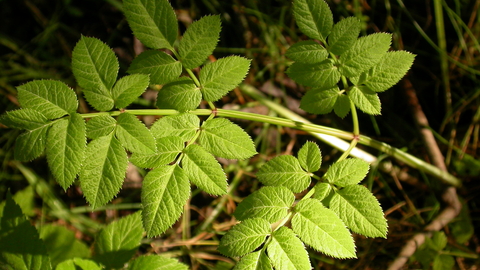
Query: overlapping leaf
column 320, row 100
column 66, row 143
column 320, row 75
column 20, row 244
column 307, row 51
column 342, row 106
column 360, row 211
column 53, row 99
column 199, row 41
column 271, row 203
column 168, row 149
column 344, row 34
column 164, row 193
column 103, row 170
column 183, row 125
column 257, row 260
column 391, row 68
column 244, row 237
column 95, row 67
column 181, row 94
column 62, row 244
column 134, row 135
column 118, row 242
column 310, row 157
column 284, row 171
column 26, row 118
column 204, row 170
column 365, row 53
column 321, row 229
column 322, row 191
column 224, row 139
column 365, row 99
column 314, row 18
column 31, row 144
column 153, row 22
column 222, row 76
column 156, row 262
column 347, row 172
column 161, row 67
column 78, row 264
column 286, row 251
column 100, row 126
column 128, row 88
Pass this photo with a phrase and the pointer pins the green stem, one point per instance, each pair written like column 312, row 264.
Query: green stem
column 329, row 135
column 398, row 154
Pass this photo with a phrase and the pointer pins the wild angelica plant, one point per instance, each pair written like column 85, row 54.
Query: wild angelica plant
column 342, row 71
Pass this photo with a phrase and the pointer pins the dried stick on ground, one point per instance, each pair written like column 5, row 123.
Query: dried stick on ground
column 450, row 194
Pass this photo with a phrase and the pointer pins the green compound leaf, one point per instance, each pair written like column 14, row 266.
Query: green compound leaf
column 100, row 126
column 308, row 51
column 244, row 237
column 128, row 88
column 204, row 170
column 225, row 139
column 321, row 229
column 199, row 41
column 314, row 18
column 342, row 106
column 134, row 135
column 153, row 22
column 365, row 53
column 168, row 149
column 78, row 264
column 183, row 125
column 347, row 172
column 117, row 243
column 164, row 193
column 284, row 171
column 156, row 262
column 365, row 99
column 61, row 244
column 344, row 34
column 20, row 244
column 257, row 260
column 95, row 67
column 181, row 94
column 271, row 203
column 103, row 170
column 310, row 157
column 161, row 67
column 286, row 251
column 391, row 68
column 28, row 119
column 31, row 144
column 66, row 142
column 220, row 77
column 360, row 211
column 53, row 99
column 320, row 100
column 320, row 75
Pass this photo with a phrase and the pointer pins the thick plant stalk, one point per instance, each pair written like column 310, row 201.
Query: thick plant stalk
column 340, row 144
column 450, row 194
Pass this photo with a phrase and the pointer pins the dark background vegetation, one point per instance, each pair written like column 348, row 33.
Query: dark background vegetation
column 37, row 37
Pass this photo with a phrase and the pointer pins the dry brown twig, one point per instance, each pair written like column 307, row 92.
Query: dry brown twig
column 449, row 196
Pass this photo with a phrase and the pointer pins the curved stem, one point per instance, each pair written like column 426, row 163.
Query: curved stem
column 299, row 123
